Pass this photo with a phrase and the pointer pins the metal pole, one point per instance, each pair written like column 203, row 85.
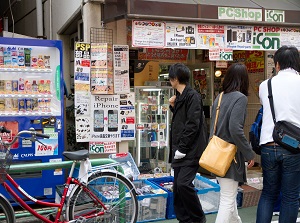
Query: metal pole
column 39, row 17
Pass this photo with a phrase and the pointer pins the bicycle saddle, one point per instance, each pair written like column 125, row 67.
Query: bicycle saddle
column 76, row 155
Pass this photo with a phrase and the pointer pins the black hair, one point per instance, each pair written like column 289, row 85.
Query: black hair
column 236, row 79
column 287, row 57
column 180, row 72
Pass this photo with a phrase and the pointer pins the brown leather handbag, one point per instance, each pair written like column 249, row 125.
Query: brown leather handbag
column 218, row 154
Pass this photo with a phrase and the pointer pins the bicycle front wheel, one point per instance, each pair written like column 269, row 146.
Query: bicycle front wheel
column 115, row 191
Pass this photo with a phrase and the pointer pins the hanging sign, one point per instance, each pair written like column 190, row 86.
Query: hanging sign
column 221, row 54
column 274, row 15
column 180, row 35
column 210, row 36
column 148, row 34
column 239, row 13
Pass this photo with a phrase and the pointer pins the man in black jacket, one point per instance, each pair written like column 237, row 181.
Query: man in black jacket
column 187, row 144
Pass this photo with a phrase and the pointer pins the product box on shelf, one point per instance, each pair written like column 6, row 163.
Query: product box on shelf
column 152, row 201
column 208, row 192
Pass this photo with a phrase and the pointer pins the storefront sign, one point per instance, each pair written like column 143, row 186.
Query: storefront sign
column 274, row 15
column 236, row 37
column 239, row 13
column 220, row 54
column 148, row 34
column 266, row 38
column 179, row 35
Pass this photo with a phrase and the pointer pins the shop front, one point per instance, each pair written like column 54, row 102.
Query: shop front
column 207, row 37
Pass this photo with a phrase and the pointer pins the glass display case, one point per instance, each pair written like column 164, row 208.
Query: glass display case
column 153, row 128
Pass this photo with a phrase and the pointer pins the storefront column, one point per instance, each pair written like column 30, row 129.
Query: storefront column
column 91, row 18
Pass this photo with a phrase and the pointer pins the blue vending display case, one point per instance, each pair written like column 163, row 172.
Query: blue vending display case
column 31, row 96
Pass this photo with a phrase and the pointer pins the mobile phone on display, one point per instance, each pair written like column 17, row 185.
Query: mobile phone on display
column 98, row 121
column 112, row 120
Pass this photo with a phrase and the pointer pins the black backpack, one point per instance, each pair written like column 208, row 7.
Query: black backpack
column 254, row 134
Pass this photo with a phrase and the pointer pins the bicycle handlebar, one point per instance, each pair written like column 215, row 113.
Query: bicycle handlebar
column 31, row 132
column 42, row 135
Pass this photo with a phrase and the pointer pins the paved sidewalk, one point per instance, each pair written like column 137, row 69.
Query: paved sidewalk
column 248, row 215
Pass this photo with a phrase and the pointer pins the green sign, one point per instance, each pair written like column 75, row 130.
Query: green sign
column 274, row 16
column 239, row 13
column 266, row 41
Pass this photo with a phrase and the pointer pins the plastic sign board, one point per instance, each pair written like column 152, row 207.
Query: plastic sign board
column 274, row 16
column 221, row 54
column 239, row 13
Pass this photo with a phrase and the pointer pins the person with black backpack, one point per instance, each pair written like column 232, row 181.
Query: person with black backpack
column 281, row 167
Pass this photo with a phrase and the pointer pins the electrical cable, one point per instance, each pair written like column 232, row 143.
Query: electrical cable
column 12, row 18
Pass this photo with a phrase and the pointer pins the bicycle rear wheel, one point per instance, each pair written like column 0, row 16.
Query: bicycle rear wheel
column 114, row 190
column 6, row 211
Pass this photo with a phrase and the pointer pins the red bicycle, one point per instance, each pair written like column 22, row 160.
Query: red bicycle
column 108, row 196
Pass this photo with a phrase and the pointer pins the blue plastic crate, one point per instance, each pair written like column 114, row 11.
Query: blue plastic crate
column 170, row 213
column 208, row 193
column 151, row 205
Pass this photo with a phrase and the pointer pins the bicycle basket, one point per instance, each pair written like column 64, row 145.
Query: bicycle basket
column 5, row 161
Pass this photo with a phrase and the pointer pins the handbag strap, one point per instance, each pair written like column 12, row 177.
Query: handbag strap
column 217, row 113
column 270, row 96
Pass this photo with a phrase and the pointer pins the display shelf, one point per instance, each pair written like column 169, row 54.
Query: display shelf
column 26, row 114
column 153, row 118
column 29, row 70
column 26, row 95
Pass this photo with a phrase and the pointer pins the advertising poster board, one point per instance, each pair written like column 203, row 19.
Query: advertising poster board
column 121, row 69
column 106, row 121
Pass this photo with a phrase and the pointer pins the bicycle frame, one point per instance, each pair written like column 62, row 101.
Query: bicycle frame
column 60, row 205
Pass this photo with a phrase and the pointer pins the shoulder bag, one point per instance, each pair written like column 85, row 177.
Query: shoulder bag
column 218, row 155
column 285, row 133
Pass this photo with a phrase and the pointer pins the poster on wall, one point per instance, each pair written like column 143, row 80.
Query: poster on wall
column 239, row 37
column 105, row 118
column 180, row 35
column 290, row 37
column 121, row 69
column 127, row 116
column 82, row 66
column 210, row 36
column 101, row 68
column 148, row 34
column 83, row 128
column 82, row 103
